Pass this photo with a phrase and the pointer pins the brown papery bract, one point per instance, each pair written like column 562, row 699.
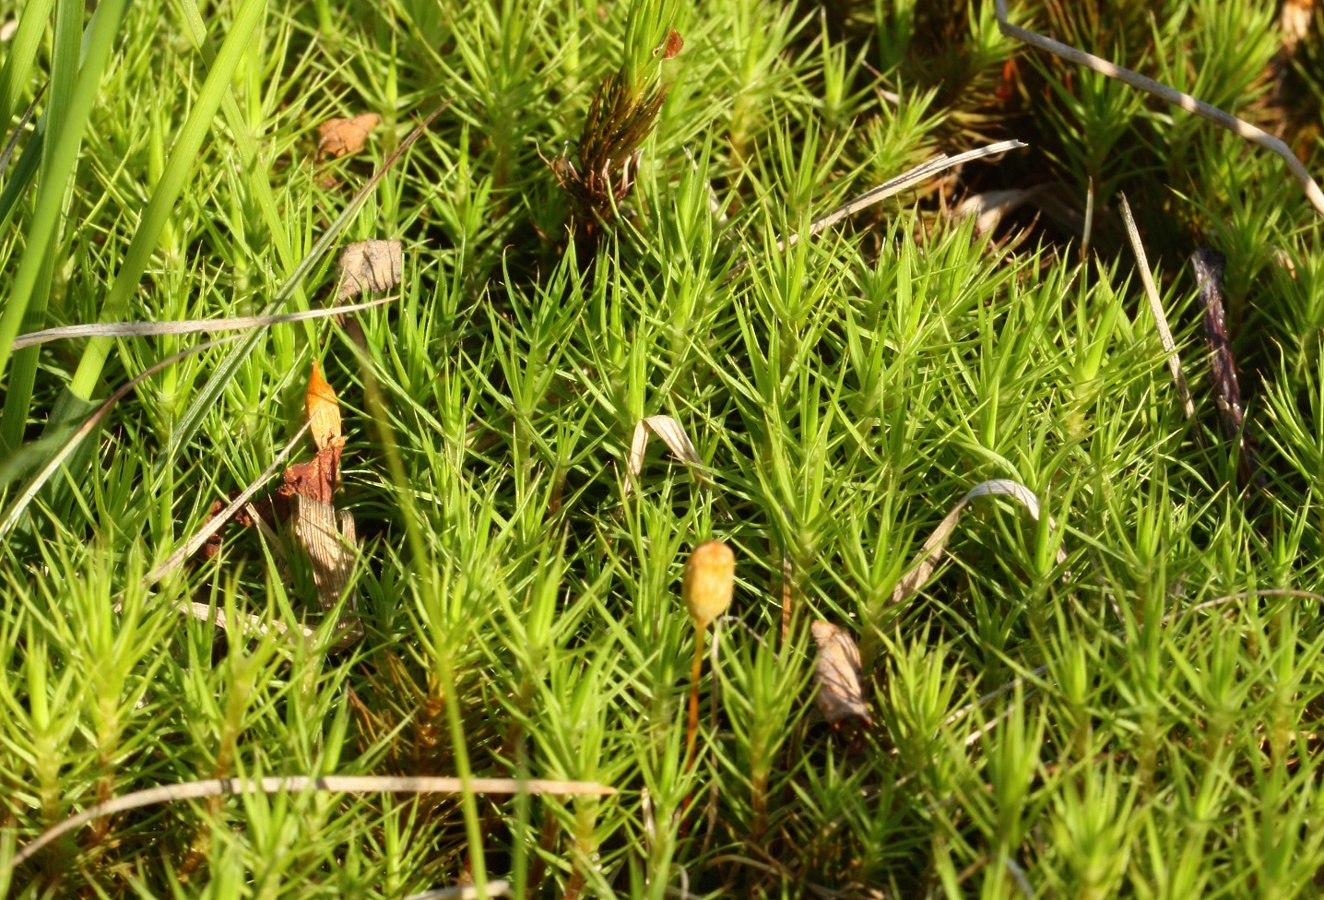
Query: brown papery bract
column 372, row 265
column 840, row 694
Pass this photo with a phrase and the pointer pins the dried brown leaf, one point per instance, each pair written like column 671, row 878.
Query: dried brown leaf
column 840, row 694
column 672, row 434
column 370, row 266
column 338, row 137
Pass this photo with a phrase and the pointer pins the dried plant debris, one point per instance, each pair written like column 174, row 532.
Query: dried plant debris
column 340, row 137
column 672, row 434
column 620, row 118
column 315, row 479
column 213, row 544
column 840, row 694
column 990, row 207
column 326, row 534
column 370, row 266
column 894, row 186
column 671, row 47
column 1294, row 22
column 1208, row 265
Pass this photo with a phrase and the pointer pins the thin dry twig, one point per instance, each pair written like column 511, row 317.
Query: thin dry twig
column 1171, row 95
column 920, row 173
column 334, row 784
column 1156, row 307
column 186, row 326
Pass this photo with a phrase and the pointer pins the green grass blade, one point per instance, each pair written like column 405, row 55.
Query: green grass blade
column 58, row 167
column 183, row 157
column 248, row 149
column 64, row 71
column 22, row 51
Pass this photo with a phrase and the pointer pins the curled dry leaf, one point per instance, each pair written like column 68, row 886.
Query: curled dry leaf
column 840, row 694
column 338, row 137
column 672, row 434
column 370, row 266
column 325, row 533
column 931, row 552
column 990, row 207
column 709, row 581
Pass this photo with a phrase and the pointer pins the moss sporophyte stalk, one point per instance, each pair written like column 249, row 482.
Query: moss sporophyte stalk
column 707, row 587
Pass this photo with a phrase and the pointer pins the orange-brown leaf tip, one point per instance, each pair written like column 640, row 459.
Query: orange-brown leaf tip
column 671, row 46
column 323, row 410
column 709, row 581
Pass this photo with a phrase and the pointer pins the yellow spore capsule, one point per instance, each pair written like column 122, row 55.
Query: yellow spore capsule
column 710, row 577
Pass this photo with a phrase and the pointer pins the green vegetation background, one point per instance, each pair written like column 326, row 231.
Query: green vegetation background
column 1138, row 733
